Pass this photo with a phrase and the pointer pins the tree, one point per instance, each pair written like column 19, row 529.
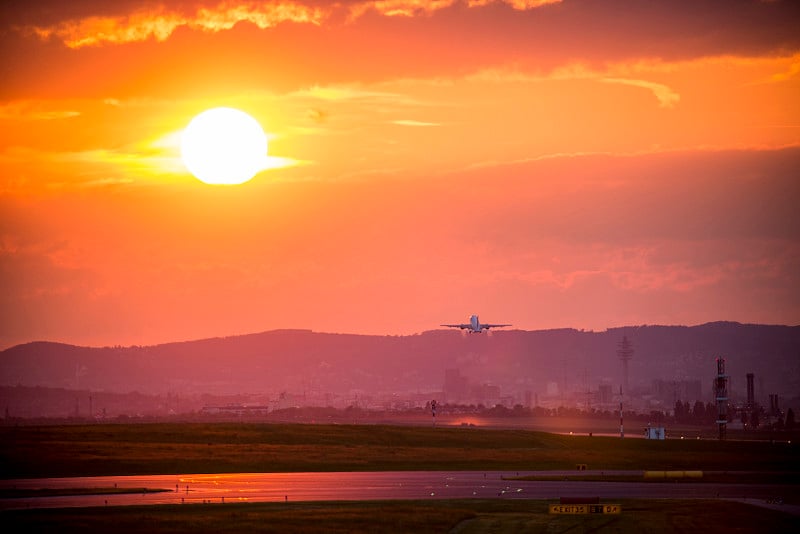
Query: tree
column 657, row 417
column 699, row 411
column 679, row 411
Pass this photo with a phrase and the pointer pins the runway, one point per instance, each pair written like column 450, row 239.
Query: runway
column 352, row 486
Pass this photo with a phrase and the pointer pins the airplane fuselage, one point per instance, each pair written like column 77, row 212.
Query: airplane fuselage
column 475, row 325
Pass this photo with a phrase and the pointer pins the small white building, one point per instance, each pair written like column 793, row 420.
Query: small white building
column 655, row 432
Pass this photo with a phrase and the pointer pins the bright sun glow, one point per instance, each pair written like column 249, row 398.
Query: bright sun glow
column 224, row 146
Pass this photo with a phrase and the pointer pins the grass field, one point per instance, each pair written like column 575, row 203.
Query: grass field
column 737, row 477
column 465, row 517
column 60, row 492
column 115, row 449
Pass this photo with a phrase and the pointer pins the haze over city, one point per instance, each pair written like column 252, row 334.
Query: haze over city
column 543, row 163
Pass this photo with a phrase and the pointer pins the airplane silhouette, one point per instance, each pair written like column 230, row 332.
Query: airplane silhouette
column 474, row 326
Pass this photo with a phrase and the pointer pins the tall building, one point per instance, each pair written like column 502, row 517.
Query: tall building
column 751, row 393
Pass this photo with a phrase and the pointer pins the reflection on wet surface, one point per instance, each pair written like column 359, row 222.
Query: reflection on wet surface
column 283, row 487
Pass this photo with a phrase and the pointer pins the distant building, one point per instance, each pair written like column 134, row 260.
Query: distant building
column 485, row 394
column 455, row 386
column 669, row 391
column 605, row 394
column 235, row 409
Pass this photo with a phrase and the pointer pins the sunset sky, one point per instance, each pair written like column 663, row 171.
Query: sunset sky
column 546, row 163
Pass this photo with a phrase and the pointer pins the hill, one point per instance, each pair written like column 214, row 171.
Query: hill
column 515, row 360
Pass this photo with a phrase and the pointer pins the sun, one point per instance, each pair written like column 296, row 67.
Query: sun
column 224, row 146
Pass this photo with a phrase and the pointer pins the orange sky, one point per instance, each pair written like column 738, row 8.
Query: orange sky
column 549, row 164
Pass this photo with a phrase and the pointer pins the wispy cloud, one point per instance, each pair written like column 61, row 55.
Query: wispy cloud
column 334, row 93
column 411, row 8
column 667, row 97
column 160, row 23
column 414, row 123
column 402, row 8
column 792, row 72
column 543, row 157
column 656, row 267
column 520, row 5
column 33, row 111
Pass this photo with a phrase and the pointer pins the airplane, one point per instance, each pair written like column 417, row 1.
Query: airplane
column 474, row 326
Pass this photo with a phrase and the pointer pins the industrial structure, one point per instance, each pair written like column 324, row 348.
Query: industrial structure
column 721, row 389
column 750, row 409
column 625, row 353
column 774, row 407
column 751, row 392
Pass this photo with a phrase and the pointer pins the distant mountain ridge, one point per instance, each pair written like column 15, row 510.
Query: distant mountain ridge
column 516, row 360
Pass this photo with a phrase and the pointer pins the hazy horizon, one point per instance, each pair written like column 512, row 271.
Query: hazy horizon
column 303, row 368
column 440, row 329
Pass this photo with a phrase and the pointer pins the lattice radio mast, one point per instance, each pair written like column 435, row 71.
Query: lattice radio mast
column 625, row 353
column 721, row 388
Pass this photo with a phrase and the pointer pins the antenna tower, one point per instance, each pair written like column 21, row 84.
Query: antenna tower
column 625, row 353
column 721, row 387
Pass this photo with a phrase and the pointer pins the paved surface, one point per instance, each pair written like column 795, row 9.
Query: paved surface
column 402, row 485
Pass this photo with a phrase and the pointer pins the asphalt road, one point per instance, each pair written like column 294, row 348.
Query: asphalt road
column 400, row 485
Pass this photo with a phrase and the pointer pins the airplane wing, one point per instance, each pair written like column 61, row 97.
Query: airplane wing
column 487, row 326
column 457, row 325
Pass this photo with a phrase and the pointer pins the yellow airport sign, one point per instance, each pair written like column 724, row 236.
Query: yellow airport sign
column 578, row 509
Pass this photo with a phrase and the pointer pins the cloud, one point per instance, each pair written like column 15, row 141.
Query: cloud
column 414, row 123
column 160, row 23
column 335, row 93
column 792, row 72
column 667, row 97
column 551, row 31
column 521, row 5
column 33, row 111
column 401, row 8
column 317, row 115
column 411, row 8
column 653, row 267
